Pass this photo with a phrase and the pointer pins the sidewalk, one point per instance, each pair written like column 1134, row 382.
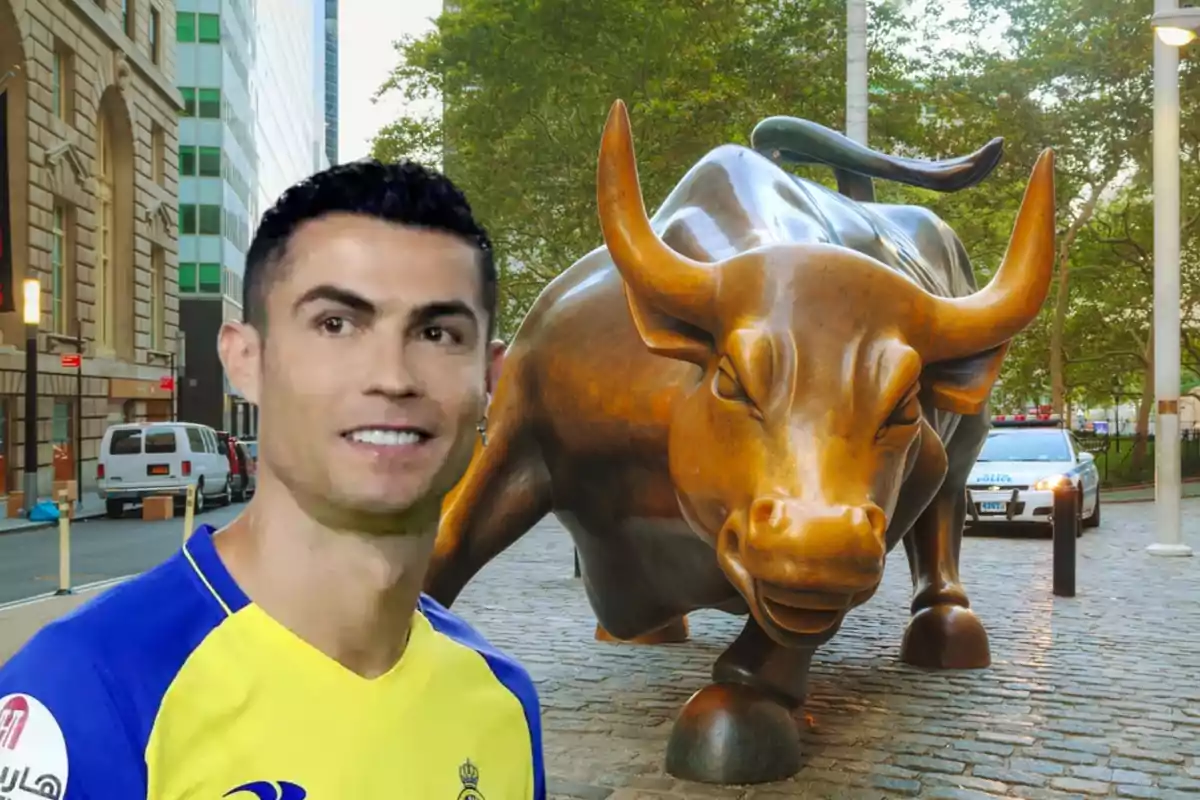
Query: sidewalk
column 20, row 621
column 93, row 507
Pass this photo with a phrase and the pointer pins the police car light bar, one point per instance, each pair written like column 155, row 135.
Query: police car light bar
column 1027, row 421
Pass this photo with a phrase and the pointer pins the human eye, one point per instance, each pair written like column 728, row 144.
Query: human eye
column 333, row 325
column 440, row 334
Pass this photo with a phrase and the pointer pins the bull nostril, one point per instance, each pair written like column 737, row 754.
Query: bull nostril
column 871, row 517
column 764, row 512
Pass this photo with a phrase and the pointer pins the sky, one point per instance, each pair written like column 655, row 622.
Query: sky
column 367, row 29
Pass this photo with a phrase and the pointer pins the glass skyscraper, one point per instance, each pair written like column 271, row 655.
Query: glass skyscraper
column 249, row 72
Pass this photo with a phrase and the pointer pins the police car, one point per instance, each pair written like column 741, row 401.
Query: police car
column 1024, row 459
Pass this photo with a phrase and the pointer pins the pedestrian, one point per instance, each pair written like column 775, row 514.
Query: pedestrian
column 292, row 654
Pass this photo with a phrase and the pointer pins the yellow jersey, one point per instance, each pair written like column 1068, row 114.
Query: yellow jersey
column 175, row 686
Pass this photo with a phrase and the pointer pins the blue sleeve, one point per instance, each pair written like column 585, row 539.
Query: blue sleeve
column 62, row 734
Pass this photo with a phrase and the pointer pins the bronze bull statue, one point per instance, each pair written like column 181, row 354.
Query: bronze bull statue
column 744, row 403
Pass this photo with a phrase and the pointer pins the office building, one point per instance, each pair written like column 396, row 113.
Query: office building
column 331, row 80
column 255, row 129
column 87, row 207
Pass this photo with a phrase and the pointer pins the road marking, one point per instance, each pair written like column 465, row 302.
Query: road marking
column 40, row 598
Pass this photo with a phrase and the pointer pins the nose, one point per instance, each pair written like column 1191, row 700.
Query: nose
column 820, row 547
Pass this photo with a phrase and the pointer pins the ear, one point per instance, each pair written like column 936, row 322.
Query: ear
column 240, row 347
column 497, row 349
column 962, row 386
column 666, row 336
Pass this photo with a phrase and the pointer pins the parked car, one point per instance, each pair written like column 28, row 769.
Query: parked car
column 140, row 460
column 1020, row 465
column 241, row 464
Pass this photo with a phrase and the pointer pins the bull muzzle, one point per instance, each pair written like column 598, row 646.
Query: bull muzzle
column 802, row 566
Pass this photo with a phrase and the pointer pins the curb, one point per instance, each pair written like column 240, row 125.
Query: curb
column 24, row 527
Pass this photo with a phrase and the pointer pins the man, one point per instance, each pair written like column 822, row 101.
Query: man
column 292, row 654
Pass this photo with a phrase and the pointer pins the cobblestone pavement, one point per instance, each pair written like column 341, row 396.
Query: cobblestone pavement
column 1093, row 696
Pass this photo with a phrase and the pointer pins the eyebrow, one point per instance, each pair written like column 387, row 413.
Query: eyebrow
column 421, row 315
column 337, row 295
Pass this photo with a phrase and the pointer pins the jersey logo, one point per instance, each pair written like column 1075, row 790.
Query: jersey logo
column 33, row 752
column 265, row 790
column 12, row 721
column 468, row 773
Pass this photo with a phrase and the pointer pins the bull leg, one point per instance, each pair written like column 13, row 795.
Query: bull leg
column 673, row 632
column 505, row 492
column 740, row 728
column 943, row 633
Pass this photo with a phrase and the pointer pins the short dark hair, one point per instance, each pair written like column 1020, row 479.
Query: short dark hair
column 405, row 192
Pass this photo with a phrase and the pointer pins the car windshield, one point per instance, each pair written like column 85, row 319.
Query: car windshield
column 1027, row 445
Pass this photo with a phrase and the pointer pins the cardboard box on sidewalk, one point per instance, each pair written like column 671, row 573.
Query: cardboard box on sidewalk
column 158, row 508
column 13, row 504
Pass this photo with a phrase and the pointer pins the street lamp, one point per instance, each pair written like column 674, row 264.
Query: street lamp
column 1174, row 27
column 32, row 314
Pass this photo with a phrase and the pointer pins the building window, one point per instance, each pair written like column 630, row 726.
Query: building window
column 209, row 220
column 187, row 278
column 105, row 324
column 158, row 298
column 155, row 30
column 209, row 278
column 61, row 284
column 187, row 218
column 61, row 82
column 204, row 219
column 208, row 103
column 187, row 159
column 209, row 163
column 189, row 101
column 127, row 19
column 158, row 154
column 185, row 26
column 209, row 28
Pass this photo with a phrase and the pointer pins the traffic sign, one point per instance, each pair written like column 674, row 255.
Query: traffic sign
column 72, row 360
column 166, row 383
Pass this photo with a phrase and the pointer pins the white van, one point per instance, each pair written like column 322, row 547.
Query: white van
column 140, row 460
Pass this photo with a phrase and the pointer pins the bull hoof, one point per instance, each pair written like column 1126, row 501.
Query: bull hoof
column 728, row 733
column 945, row 637
column 674, row 632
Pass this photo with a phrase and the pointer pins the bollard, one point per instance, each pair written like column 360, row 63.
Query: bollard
column 64, row 545
column 189, row 512
column 1066, row 530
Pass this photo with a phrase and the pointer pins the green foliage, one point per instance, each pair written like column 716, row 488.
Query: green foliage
column 526, row 86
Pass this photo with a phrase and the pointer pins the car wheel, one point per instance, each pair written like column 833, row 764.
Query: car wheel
column 113, row 509
column 198, row 504
column 227, row 495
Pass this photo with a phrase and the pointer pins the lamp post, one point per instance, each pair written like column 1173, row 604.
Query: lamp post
column 1174, row 27
column 32, row 314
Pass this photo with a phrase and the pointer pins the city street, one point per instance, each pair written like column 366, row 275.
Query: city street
column 101, row 549
column 1092, row 696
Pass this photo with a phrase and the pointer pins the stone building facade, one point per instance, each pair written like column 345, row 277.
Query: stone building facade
column 91, row 140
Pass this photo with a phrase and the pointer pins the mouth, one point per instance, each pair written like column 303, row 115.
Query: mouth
column 802, row 612
column 387, row 436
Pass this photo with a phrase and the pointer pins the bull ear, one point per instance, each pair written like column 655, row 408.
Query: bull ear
column 666, row 336
column 962, row 385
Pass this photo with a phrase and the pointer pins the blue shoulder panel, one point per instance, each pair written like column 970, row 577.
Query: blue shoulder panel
column 506, row 669
column 101, row 673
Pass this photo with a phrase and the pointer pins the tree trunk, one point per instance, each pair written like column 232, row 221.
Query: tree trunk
column 1058, row 383
column 1142, row 429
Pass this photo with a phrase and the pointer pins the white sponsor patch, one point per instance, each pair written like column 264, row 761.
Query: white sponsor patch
column 33, row 752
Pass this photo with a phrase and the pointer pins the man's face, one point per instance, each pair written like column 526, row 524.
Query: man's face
column 374, row 369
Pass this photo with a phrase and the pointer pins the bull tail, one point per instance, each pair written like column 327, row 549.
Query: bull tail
column 800, row 141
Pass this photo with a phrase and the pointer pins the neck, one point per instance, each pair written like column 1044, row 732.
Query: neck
column 349, row 594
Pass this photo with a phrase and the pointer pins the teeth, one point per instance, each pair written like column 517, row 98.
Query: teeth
column 385, row 438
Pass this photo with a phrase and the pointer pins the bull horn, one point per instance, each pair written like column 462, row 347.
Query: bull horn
column 1013, row 297
column 657, row 274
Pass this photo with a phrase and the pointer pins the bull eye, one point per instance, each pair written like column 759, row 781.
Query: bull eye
column 905, row 414
column 727, row 386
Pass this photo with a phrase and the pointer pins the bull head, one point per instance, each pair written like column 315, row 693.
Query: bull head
column 820, row 370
